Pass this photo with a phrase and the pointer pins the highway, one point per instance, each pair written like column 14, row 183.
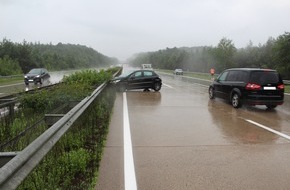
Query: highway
column 179, row 139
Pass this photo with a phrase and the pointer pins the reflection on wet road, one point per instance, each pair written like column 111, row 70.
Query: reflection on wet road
column 183, row 140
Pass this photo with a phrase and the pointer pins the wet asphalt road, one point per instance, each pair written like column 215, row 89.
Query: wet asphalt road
column 183, row 140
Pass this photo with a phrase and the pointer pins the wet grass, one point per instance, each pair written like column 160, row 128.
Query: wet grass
column 11, row 80
column 287, row 88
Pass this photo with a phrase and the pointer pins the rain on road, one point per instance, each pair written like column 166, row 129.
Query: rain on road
column 183, row 140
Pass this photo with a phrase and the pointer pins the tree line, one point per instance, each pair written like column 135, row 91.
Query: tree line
column 18, row 58
column 274, row 54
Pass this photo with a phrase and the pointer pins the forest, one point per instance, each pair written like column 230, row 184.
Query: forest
column 274, row 54
column 19, row 58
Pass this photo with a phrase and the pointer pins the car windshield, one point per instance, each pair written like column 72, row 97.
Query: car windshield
column 126, row 73
column 264, row 77
column 35, row 71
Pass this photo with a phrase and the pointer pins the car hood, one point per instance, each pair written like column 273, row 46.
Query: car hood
column 31, row 75
column 119, row 78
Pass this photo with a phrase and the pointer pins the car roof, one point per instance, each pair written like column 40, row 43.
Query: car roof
column 145, row 70
column 38, row 68
column 250, row 69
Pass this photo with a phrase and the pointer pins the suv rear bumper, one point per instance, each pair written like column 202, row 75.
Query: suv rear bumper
column 263, row 102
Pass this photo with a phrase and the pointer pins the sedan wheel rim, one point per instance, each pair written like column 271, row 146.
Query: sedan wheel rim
column 235, row 100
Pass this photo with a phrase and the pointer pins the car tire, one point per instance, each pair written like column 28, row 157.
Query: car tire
column 236, row 100
column 211, row 93
column 271, row 106
column 157, row 86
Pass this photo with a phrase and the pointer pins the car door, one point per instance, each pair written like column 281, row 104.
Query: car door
column 230, row 83
column 219, row 84
column 135, row 80
column 148, row 79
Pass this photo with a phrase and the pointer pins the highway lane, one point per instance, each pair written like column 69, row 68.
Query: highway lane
column 55, row 77
column 183, row 140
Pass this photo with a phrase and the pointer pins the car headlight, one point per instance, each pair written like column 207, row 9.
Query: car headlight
column 116, row 81
column 25, row 76
column 37, row 76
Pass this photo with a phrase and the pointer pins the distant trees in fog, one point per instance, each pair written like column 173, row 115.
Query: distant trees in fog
column 274, row 54
column 18, row 58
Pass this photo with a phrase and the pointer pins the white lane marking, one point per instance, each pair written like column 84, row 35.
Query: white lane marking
column 167, row 85
column 268, row 129
column 129, row 168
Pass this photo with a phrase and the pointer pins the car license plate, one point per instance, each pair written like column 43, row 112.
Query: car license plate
column 30, row 80
column 269, row 88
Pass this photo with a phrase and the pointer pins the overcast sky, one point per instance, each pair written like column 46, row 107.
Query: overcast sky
column 120, row 28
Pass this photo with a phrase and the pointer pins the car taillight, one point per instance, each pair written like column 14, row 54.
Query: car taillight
column 252, row 86
column 281, row 86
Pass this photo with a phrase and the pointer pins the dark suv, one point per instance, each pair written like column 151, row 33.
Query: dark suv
column 249, row 86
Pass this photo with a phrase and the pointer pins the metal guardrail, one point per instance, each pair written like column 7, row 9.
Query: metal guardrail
column 19, row 167
column 287, row 82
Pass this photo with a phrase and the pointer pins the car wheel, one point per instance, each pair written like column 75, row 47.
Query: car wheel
column 211, row 93
column 271, row 106
column 157, row 86
column 236, row 102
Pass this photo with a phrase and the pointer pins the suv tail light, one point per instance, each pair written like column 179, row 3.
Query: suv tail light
column 281, row 86
column 252, row 86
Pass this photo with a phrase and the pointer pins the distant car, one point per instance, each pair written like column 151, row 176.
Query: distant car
column 147, row 66
column 140, row 79
column 37, row 75
column 178, row 72
column 249, row 86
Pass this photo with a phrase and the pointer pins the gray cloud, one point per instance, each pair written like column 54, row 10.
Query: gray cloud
column 121, row 28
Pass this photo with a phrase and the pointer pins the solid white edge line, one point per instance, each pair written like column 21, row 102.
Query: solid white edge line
column 268, row 129
column 129, row 168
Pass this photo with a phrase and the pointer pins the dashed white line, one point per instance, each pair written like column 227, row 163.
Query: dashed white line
column 268, row 129
column 129, row 168
column 167, row 85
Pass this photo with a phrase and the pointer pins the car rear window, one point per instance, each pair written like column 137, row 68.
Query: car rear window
column 265, row 77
